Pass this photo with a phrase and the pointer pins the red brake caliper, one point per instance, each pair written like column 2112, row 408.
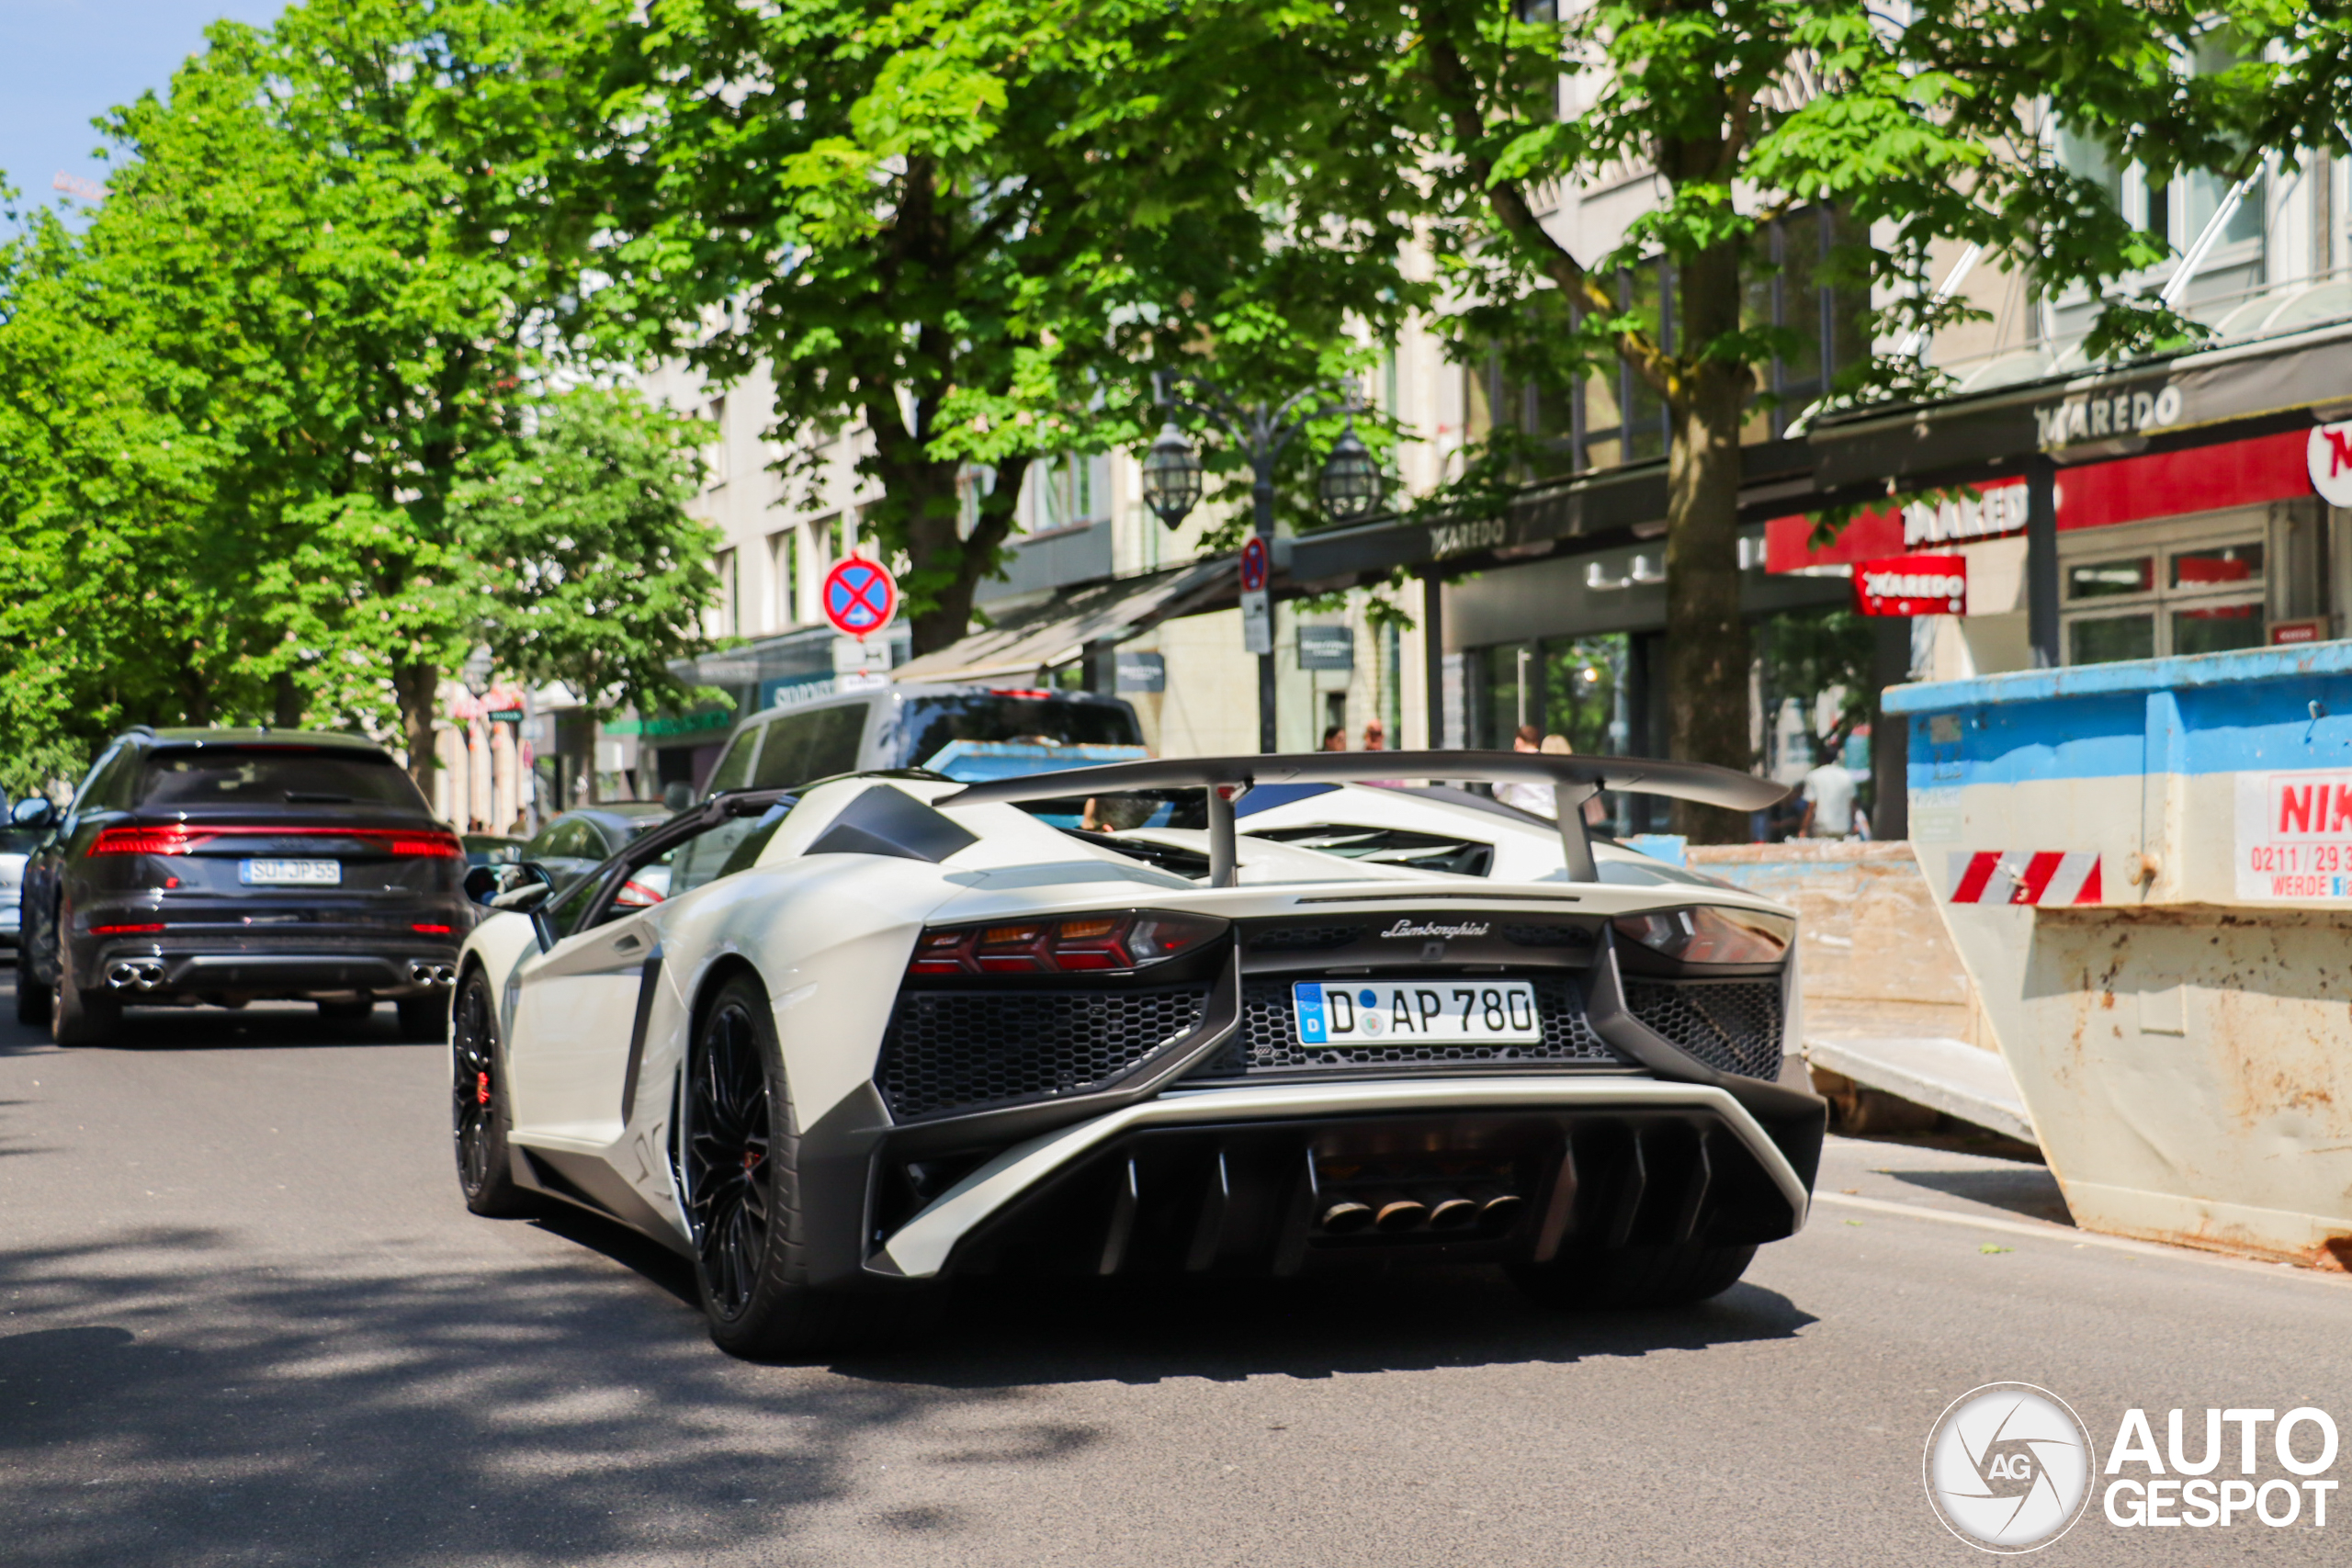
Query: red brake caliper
column 481, row 1089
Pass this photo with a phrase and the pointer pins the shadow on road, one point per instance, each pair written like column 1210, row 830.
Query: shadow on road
column 2026, row 1189
column 188, row 1405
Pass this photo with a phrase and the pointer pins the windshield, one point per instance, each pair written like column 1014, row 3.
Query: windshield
column 276, row 775
column 930, row 725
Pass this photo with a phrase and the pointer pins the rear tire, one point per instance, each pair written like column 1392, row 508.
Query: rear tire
column 1636, row 1276
column 425, row 1020
column 32, row 995
column 78, row 1017
column 739, row 1171
column 478, row 1109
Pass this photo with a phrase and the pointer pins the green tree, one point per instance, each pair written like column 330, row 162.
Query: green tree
column 603, row 577
column 296, row 287
column 969, row 227
column 1914, row 129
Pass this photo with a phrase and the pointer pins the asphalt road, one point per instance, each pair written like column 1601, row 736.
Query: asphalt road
column 247, row 1321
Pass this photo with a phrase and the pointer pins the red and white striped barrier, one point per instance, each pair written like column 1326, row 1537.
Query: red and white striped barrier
column 2017, row 877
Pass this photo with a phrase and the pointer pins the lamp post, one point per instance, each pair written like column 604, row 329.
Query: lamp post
column 1349, row 485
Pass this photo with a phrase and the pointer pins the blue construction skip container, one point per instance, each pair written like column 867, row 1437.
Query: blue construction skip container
column 2148, row 869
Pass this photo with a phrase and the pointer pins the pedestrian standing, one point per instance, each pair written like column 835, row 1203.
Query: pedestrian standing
column 1828, row 792
column 1375, row 737
column 1536, row 797
column 1335, row 738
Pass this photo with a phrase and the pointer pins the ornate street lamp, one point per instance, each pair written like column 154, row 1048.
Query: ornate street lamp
column 1171, row 476
column 1349, row 485
column 1350, row 480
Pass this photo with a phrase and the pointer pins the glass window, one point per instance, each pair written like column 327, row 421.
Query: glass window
column 276, row 775
column 812, row 745
column 105, row 777
column 2106, row 579
column 2111, row 638
column 723, row 848
column 2217, row 629
column 570, row 906
column 930, row 725
column 2220, row 564
column 734, row 770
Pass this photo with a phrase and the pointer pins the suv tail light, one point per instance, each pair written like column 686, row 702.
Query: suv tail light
column 1062, row 944
column 180, row 839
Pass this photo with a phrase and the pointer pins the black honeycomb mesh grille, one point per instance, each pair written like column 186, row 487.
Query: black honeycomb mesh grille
column 1267, row 1040
column 951, row 1050
column 1734, row 1026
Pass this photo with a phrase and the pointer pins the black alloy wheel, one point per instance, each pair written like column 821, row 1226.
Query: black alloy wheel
column 477, row 1109
column 739, row 1178
column 729, row 1138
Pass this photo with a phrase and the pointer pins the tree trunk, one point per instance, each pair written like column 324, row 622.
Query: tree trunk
column 417, row 687
column 1706, row 640
column 285, row 701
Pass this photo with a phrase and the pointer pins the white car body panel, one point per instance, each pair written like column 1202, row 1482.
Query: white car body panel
column 830, row 937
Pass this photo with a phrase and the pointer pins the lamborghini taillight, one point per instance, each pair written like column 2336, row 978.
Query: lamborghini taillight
column 1063, row 944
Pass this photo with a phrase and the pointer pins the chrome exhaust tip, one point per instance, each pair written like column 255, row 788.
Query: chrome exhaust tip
column 151, row 974
column 1394, row 1211
column 445, row 974
column 1494, row 1203
column 1449, row 1210
column 121, row 977
column 1346, row 1216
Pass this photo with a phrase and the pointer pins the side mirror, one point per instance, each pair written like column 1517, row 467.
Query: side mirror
column 34, row 811
column 519, row 888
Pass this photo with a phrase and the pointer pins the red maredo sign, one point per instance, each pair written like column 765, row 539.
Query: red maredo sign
column 1912, row 585
column 860, row 597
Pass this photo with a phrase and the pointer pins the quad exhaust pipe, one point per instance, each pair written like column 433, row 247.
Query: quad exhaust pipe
column 422, row 973
column 134, row 974
column 1391, row 1212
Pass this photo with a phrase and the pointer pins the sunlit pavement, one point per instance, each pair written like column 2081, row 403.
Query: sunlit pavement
column 248, row 1321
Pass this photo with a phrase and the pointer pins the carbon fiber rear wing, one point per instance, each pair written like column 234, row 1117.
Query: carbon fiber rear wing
column 1575, row 780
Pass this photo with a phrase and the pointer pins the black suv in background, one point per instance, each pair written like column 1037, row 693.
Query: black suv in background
column 226, row 866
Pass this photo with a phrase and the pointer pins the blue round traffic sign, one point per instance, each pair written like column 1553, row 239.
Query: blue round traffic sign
column 860, row 597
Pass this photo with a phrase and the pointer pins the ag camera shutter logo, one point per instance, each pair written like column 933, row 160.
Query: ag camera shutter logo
column 2008, row 1467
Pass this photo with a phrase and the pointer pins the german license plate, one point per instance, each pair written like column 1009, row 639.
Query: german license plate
column 1415, row 1012
column 291, row 873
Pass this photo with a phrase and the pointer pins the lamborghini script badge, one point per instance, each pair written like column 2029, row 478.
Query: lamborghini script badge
column 1404, row 928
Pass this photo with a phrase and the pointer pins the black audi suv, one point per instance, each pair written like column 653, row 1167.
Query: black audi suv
column 225, row 867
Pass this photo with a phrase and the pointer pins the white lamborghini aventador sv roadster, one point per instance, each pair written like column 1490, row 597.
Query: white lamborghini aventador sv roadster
column 897, row 1029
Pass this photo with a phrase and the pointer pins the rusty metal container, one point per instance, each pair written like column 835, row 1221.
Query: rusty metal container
column 2146, row 868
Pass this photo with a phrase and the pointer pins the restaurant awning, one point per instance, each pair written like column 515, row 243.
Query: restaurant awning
column 1057, row 628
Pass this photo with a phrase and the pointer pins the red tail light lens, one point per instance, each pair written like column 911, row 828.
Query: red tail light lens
column 1087, row 944
column 634, row 895
column 179, row 839
column 171, row 839
column 1712, row 934
column 430, row 930
column 443, row 846
column 126, row 931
